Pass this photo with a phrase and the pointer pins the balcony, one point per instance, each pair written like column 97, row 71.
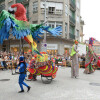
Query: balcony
column 72, row 21
column 71, row 36
column 2, row 1
column 2, row 7
column 73, row 5
column 22, row 1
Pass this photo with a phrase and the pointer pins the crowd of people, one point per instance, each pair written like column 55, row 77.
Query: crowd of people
column 8, row 59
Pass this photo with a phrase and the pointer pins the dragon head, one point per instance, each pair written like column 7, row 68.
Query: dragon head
column 19, row 11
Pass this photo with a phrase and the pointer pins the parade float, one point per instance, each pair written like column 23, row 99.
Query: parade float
column 40, row 66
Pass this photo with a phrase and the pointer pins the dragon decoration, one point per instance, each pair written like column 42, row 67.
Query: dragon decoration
column 19, row 27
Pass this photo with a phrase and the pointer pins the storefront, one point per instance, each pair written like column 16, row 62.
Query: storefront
column 15, row 48
column 52, row 49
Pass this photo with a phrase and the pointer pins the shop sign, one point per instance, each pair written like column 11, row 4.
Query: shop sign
column 43, row 47
column 52, row 46
column 66, row 46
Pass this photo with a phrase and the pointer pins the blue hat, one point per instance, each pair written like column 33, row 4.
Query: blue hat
column 21, row 58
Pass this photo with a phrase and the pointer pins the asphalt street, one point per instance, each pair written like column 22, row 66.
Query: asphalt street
column 63, row 87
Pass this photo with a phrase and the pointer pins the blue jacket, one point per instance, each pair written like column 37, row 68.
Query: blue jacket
column 22, row 67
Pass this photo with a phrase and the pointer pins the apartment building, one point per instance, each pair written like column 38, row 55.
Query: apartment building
column 64, row 13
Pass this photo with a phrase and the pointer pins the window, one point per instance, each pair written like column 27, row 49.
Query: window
column 51, row 10
column 72, row 29
column 34, row 22
column 72, row 14
column 66, row 10
column 58, row 11
column 54, row 24
column 58, row 24
column 35, row 7
column 77, row 33
column 27, row 10
column 51, row 24
column 52, row 7
column 65, row 27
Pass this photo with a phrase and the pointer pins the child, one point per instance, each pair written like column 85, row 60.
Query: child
column 22, row 70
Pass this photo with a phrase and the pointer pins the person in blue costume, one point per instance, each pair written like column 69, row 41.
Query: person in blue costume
column 22, row 74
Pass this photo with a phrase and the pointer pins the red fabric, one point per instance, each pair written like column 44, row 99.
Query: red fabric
column 35, row 56
column 20, row 14
column 98, row 63
column 87, row 65
column 31, row 70
column 91, row 59
column 30, row 76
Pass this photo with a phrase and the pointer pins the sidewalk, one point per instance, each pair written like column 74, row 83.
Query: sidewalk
column 62, row 87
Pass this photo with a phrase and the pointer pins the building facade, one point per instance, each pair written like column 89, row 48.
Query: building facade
column 64, row 13
column 81, row 31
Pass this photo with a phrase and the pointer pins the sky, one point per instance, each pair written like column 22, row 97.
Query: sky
column 90, row 13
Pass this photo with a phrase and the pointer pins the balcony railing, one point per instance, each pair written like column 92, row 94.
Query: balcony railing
column 71, row 36
column 2, row 7
column 73, row 5
column 72, row 20
column 2, row 1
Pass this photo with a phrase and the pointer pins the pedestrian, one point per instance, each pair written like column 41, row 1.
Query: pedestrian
column 22, row 74
column 75, row 62
column 3, row 63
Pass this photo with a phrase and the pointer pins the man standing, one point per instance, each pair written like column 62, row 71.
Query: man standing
column 22, row 70
column 75, row 64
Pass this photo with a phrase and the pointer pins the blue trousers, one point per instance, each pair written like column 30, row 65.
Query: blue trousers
column 21, row 81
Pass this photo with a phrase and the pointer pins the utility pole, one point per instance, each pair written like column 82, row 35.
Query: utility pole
column 44, row 44
column 45, row 19
column 20, row 45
